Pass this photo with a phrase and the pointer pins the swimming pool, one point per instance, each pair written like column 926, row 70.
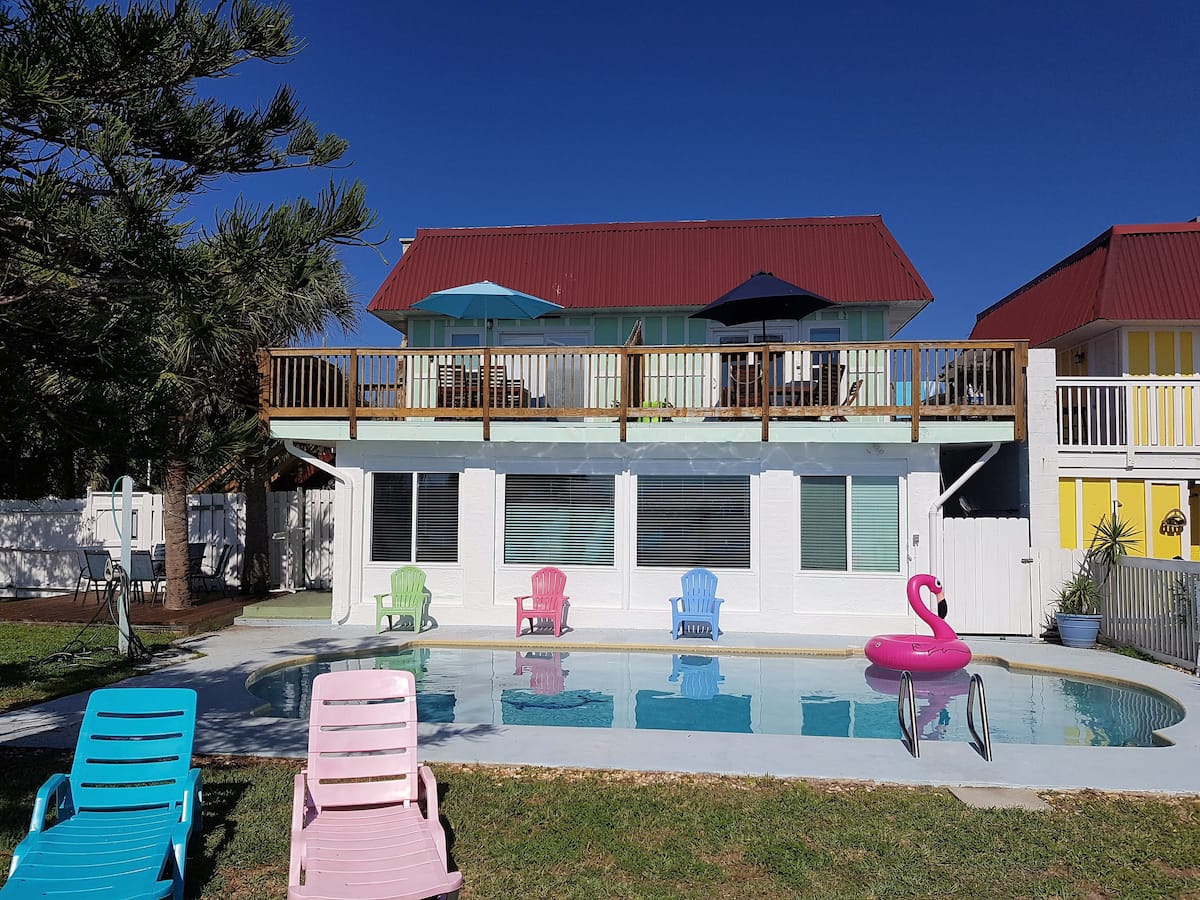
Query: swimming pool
column 769, row 694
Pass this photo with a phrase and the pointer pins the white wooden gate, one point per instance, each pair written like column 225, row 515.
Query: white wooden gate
column 988, row 575
column 301, row 528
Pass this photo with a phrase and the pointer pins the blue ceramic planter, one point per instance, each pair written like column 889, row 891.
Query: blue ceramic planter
column 1077, row 630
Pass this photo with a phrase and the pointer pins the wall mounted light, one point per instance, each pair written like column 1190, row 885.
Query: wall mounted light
column 1078, row 357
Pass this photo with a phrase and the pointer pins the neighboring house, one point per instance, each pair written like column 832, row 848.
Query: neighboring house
column 625, row 442
column 1123, row 317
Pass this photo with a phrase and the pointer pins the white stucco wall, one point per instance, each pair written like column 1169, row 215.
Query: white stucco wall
column 773, row 595
column 1040, row 484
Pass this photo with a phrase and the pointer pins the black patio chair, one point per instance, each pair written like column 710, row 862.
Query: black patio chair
column 96, row 566
column 214, row 579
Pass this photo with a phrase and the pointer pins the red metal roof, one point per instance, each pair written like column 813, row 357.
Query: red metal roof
column 658, row 264
column 1129, row 273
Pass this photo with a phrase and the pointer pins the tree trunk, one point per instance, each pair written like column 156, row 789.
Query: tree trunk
column 256, row 577
column 175, row 526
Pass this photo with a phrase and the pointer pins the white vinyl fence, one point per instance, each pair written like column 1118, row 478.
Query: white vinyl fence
column 1154, row 605
column 40, row 542
column 986, row 573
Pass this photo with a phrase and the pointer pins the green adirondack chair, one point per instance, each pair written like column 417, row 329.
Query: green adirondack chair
column 407, row 599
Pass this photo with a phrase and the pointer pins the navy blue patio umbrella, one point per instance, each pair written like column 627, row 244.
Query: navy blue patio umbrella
column 761, row 297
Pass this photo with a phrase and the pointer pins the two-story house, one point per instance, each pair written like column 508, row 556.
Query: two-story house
column 625, row 441
column 1123, row 317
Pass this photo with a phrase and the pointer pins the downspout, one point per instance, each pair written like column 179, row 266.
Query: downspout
column 936, row 505
column 325, row 467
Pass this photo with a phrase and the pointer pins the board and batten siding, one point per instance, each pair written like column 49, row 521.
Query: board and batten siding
column 658, row 328
column 1143, row 503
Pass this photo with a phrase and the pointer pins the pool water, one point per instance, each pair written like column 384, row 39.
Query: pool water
column 761, row 694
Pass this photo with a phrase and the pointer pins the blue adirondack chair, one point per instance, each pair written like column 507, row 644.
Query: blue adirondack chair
column 697, row 612
column 126, row 812
column 701, row 676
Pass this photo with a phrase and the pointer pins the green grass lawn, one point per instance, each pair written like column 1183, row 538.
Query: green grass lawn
column 533, row 833
column 30, row 674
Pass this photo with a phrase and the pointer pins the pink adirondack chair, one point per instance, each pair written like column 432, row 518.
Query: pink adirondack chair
column 546, row 674
column 546, row 601
column 365, row 814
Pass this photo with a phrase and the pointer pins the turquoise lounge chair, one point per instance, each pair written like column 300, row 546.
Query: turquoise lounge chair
column 407, row 599
column 126, row 812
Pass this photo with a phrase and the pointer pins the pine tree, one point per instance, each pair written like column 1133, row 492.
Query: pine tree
column 134, row 328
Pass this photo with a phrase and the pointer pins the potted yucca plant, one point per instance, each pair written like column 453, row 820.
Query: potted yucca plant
column 1078, row 601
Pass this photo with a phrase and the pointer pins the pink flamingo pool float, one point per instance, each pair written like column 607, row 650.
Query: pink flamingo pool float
column 943, row 652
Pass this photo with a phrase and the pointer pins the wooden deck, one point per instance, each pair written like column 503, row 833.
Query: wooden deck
column 880, row 381
column 206, row 614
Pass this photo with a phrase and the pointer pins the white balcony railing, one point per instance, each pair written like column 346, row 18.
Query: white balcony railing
column 1129, row 414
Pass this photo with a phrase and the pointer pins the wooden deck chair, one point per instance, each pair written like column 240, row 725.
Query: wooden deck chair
column 406, row 600
column 545, row 602
column 365, row 820
column 456, row 388
column 126, row 812
column 851, row 399
column 698, row 610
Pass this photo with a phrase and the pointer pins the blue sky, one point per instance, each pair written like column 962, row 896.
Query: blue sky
column 993, row 138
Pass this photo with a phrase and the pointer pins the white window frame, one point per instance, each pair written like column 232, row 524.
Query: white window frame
column 902, row 525
column 552, row 472
column 659, row 470
column 416, row 479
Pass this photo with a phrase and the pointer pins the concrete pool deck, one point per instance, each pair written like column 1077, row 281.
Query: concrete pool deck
column 228, row 725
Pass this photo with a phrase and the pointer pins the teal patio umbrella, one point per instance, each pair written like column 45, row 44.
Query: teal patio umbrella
column 487, row 301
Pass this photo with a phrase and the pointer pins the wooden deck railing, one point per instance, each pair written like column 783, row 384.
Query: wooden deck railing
column 765, row 382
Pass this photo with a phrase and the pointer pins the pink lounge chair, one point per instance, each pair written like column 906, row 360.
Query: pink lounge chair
column 365, row 815
column 546, row 601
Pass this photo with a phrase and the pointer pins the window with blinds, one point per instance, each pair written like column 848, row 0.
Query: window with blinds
column 875, row 523
column 688, row 520
column 850, row 523
column 414, row 517
column 559, row 519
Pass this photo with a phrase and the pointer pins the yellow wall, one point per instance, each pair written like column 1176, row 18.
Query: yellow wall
column 1068, row 525
column 1139, row 353
column 1097, row 497
column 1132, row 495
column 1164, row 353
column 1065, row 362
column 1164, row 498
column 1194, row 518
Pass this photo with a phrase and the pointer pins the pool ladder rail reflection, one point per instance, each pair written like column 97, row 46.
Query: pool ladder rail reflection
column 906, row 701
column 983, row 742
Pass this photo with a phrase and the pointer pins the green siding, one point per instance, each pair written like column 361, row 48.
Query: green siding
column 875, row 326
column 653, row 333
column 608, row 330
column 697, row 331
column 418, row 333
column 854, row 325
column 676, row 326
